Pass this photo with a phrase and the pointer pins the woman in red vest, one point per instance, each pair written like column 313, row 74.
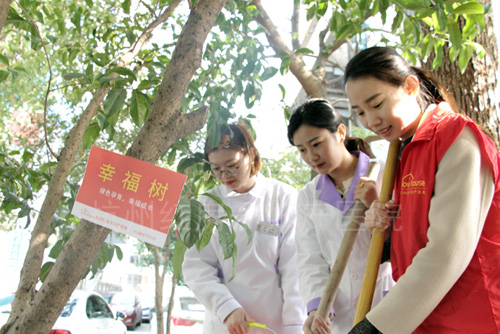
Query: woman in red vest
column 444, row 220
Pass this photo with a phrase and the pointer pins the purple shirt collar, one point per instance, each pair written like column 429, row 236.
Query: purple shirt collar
column 328, row 192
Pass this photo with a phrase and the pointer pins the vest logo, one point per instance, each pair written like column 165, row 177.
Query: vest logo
column 411, row 186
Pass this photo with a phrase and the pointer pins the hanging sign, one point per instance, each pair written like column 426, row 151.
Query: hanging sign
column 129, row 196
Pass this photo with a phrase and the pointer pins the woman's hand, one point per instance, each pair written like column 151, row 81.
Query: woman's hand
column 381, row 215
column 321, row 326
column 236, row 321
column 366, row 191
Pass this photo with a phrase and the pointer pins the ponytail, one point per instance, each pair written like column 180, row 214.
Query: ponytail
column 358, row 144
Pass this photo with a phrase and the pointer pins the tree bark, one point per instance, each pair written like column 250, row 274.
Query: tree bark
column 474, row 90
column 160, row 259
column 314, row 85
column 4, row 11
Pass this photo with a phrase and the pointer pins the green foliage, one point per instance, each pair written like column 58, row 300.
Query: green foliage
column 288, row 168
column 190, row 219
column 20, row 179
column 349, row 19
column 195, row 228
column 441, row 19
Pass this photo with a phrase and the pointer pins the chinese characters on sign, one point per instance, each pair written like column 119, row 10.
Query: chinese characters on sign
column 128, row 195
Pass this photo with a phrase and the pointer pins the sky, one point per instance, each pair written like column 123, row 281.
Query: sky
column 271, row 129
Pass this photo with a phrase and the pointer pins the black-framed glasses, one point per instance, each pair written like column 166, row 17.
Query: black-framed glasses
column 231, row 170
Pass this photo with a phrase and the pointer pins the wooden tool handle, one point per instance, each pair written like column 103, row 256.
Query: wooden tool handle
column 357, row 218
column 378, row 237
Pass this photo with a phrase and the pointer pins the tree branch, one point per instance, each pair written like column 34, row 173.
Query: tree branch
column 295, row 25
column 313, row 86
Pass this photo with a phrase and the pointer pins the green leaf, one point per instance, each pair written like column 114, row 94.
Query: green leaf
column 114, row 101
column 3, row 75
column 122, row 71
column 322, row 8
column 283, row 92
column 56, row 249
column 285, row 65
column 469, row 8
column 130, row 37
column 455, row 33
column 4, row 60
column 427, row 46
column 453, row 53
column 186, row 163
column 191, row 221
column 396, row 23
column 415, row 5
column 71, row 76
column 219, row 201
column 25, row 210
column 178, row 258
column 247, row 230
column 311, row 12
column 234, row 257
column 90, row 135
column 345, row 31
column 126, row 6
column 363, row 5
column 44, row 271
column 303, row 51
column 119, row 253
column 438, row 55
column 466, row 53
column 250, row 95
column 226, row 239
column 139, row 107
column 206, row 236
column 106, row 79
column 269, row 72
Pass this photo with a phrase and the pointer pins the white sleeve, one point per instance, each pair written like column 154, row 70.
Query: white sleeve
column 313, row 268
column 200, row 271
column 293, row 304
column 463, row 192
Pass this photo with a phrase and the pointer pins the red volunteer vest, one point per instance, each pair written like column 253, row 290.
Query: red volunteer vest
column 473, row 303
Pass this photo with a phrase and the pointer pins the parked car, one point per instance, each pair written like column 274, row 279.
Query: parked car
column 129, row 305
column 88, row 312
column 5, row 303
column 148, row 307
column 187, row 310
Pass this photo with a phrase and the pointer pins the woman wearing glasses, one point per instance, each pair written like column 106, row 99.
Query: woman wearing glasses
column 264, row 288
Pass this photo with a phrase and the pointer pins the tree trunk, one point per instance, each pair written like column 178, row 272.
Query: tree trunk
column 41, row 232
column 474, row 90
column 171, row 303
column 4, row 11
column 160, row 259
column 164, row 126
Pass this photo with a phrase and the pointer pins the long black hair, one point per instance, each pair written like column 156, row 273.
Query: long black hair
column 385, row 64
column 321, row 114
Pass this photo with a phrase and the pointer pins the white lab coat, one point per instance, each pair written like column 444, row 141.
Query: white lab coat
column 322, row 217
column 266, row 280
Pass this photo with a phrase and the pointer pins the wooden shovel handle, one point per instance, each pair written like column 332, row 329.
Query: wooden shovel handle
column 357, row 218
column 378, row 237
